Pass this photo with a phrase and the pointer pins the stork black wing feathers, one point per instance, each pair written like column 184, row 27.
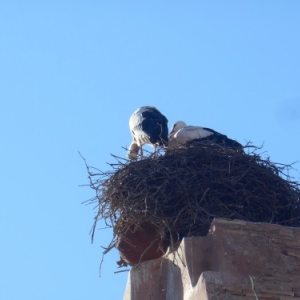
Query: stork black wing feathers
column 219, row 138
column 155, row 125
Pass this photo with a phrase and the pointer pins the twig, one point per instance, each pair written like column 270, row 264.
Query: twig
column 127, row 270
column 252, row 283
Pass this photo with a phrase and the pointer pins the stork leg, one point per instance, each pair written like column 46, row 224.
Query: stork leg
column 141, row 152
column 154, row 154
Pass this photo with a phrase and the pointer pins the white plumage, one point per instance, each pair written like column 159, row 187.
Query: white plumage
column 182, row 134
column 147, row 126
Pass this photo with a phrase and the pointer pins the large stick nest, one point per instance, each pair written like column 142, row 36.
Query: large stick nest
column 182, row 191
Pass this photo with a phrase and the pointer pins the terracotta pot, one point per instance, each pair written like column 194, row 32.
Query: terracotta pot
column 141, row 242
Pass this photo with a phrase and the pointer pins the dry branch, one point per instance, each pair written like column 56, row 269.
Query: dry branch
column 182, row 191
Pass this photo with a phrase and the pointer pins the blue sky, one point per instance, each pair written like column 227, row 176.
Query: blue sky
column 71, row 74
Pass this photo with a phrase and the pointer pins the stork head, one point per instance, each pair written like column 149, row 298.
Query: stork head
column 177, row 126
column 133, row 151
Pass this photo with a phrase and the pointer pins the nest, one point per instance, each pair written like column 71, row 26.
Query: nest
column 181, row 192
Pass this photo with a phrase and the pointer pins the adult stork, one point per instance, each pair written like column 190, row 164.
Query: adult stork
column 181, row 134
column 148, row 126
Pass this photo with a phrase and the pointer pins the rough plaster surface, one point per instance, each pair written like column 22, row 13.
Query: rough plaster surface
column 236, row 260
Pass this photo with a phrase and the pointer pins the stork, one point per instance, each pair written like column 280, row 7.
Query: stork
column 148, row 126
column 181, row 134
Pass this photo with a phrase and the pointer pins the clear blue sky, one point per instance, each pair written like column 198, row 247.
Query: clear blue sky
column 71, row 74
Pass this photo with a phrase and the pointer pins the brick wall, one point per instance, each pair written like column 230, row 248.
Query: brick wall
column 236, row 260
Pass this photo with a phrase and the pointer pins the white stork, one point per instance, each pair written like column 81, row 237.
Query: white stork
column 181, row 134
column 148, row 126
